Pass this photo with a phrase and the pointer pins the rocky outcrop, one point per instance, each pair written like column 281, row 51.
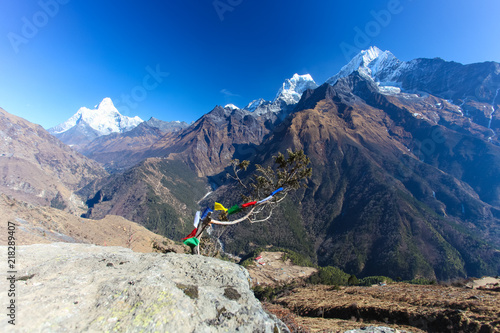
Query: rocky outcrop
column 74, row 287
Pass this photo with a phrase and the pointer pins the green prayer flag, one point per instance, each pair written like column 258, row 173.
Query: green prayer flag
column 192, row 242
column 233, row 210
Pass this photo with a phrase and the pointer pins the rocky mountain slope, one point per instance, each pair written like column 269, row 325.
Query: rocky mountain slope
column 38, row 168
column 208, row 145
column 76, row 287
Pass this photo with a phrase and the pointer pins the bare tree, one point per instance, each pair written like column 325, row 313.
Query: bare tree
column 263, row 192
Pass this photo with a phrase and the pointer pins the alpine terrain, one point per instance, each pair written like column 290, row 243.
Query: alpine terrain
column 405, row 159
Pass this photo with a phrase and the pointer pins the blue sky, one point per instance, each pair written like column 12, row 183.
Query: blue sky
column 177, row 59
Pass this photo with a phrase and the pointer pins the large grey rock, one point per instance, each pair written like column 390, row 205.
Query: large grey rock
column 79, row 287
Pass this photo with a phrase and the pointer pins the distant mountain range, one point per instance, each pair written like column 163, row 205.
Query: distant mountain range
column 89, row 124
column 405, row 157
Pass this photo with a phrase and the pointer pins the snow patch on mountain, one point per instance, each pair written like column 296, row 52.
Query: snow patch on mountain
column 253, row 105
column 104, row 118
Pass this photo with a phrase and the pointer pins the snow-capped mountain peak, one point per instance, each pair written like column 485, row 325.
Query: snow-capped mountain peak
column 231, row 106
column 369, row 63
column 380, row 66
column 106, row 104
column 289, row 94
column 104, row 118
column 292, row 89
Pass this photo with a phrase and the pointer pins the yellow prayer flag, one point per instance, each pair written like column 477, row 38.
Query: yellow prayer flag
column 218, row 206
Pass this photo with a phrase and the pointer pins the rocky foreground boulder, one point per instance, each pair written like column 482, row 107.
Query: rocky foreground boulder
column 65, row 287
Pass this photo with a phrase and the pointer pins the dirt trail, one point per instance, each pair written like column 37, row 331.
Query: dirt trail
column 485, row 283
column 270, row 269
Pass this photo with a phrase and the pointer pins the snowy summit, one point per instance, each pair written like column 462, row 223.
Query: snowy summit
column 292, row 89
column 104, row 119
column 371, row 63
column 289, row 94
column 231, row 106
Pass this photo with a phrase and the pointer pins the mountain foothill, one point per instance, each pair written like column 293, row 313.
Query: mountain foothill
column 405, row 158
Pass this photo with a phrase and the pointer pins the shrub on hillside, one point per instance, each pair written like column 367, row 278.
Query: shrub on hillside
column 371, row 280
column 329, row 276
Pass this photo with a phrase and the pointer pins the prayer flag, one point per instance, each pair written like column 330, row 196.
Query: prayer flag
column 218, row 206
column 205, row 212
column 192, row 234
column 278, row 190
column 192, row 242
column 248, row 204
column 266, row 199
column 233, row 210
column 197, row 219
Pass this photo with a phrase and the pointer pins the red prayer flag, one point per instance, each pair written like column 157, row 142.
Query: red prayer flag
column 248, row 204
column 192, row 234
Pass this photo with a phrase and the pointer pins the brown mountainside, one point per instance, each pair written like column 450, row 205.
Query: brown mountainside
column 157, row 193
column 210, row 143
column 379, row 203
column 38, row 168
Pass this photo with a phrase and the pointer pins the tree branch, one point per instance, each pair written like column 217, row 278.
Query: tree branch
column 235, row 221
column 263, row 220
column 236, row 177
